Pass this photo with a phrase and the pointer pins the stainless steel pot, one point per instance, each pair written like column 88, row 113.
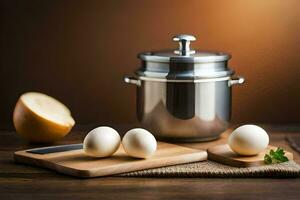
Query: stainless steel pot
column 184, row 95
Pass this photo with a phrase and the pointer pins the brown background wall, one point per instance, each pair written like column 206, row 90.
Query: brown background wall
column 78, row 52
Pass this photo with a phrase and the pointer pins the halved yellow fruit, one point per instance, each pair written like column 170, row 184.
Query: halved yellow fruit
column 41, row 118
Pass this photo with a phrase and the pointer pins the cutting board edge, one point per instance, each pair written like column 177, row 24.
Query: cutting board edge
column 19, row 157
column 197, row 157
column 227, row 161
column 24, row 157
column 238, row 162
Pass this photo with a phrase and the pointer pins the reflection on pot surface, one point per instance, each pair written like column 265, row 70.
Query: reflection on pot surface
column 202, row 113
column 184, row 94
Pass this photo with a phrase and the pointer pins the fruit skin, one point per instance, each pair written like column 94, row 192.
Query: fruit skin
column 35, row 128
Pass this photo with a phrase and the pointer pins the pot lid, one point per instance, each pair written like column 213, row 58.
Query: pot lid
column 184, row 62
column 184, row 53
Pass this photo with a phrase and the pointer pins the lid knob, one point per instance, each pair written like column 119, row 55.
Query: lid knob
column 184, row 44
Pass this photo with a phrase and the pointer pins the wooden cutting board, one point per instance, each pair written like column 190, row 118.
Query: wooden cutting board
column 76, row 163
column 223, row 154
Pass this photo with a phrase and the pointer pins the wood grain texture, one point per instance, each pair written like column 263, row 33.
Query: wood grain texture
column 77, row 163
column 223, row 154
column 26, row 182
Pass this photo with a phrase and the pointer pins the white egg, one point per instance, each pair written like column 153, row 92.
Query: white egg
column 101, row 142
column 248, row 140
column 139, row 143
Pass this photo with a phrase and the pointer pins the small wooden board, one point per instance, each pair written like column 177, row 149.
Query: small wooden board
column 77, row 163
column 223, row 154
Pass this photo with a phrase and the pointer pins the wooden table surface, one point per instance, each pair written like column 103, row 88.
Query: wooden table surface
column 26, row 182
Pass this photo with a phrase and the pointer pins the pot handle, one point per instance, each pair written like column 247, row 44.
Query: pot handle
column 132, row 80
column 236, row 80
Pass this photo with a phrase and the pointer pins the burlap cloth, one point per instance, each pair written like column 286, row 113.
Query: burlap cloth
column 213, row 169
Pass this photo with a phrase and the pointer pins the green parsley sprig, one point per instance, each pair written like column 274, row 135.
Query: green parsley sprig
column 277, row 156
